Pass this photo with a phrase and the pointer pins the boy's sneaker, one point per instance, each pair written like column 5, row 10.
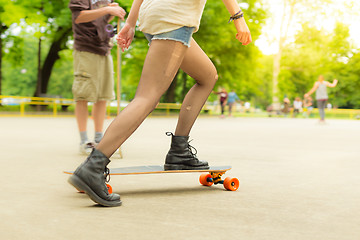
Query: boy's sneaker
column 86, row 148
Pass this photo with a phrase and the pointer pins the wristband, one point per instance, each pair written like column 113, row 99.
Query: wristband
column 237, row 15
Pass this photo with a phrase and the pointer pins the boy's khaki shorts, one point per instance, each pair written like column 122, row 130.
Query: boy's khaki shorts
column 93, row 77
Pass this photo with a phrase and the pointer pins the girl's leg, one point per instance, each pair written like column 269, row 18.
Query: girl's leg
column 161, row 64
column 323, row 111
column 196, row 64
column 321, row 107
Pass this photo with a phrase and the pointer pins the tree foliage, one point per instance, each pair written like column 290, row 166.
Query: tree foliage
column 316, row 52
column 245, row 69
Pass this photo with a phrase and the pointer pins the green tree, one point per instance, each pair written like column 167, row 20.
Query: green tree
column 347, row 92
column 20, row 78
column 10, row 13
column 56, row 31
column 316, row 52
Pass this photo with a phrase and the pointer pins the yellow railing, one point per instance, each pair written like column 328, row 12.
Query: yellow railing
column 168, row 107
column 44, row 101
column 351, row 113
column 56, row 102
column 177, row 106
column 335, row 112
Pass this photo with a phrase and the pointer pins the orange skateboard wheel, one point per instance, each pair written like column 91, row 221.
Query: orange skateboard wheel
column 204, row 179
column 109, row 188
column 231, row 184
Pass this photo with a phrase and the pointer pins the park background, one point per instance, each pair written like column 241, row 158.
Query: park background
column 298, row 179
column 293, row 43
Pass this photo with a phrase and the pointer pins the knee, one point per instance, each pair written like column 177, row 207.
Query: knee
column 214, row 78
column 208, row 79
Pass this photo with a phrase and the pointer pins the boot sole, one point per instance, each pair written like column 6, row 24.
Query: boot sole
column 169, row 167
column 79, row 184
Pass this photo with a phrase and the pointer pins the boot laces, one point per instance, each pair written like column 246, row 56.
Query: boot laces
column 192, row 150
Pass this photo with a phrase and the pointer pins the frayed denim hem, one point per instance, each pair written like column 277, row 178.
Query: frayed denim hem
column 172, row 39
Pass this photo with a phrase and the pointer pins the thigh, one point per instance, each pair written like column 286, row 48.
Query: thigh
column 198, row 65
column 161, row 64
column 321, row 104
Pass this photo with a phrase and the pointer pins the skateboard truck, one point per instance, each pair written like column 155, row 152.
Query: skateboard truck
column 208, row 179
column 216, row 177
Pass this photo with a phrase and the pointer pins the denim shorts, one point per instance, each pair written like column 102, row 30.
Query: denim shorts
column 182, row 35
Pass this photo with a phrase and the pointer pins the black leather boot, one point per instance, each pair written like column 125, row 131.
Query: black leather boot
column 181, row 156
column 91, row 176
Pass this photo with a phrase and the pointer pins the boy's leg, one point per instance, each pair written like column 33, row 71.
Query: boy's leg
column 161, row 64
column 83, row 92
column 99, row 113
column 81, row 113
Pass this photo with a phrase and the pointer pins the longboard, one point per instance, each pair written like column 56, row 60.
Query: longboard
column 209, row 177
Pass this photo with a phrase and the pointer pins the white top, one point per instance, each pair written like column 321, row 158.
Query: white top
column 321, row 93
column 160, row 16
column 297, row 104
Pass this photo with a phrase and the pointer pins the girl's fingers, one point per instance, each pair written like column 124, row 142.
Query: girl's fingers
column 240, row 37
column 244, row 38
column 247, row 41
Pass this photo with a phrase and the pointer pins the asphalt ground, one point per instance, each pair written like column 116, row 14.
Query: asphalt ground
column 298, row 180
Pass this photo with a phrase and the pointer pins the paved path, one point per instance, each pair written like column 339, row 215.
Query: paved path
column 299, row 180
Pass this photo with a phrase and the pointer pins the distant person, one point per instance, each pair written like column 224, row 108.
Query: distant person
column 269, row 110
column 93, row 64
column 321, row 94
column 329, row 106
column 297, row 104
column 247, row 106
column 232, row 98
column 223, row 100
column 308, row 105
column 286, row 106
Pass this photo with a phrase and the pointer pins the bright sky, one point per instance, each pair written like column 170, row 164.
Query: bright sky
column 268, row 43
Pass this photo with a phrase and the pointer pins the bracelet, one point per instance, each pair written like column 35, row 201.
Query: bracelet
column 237, row 15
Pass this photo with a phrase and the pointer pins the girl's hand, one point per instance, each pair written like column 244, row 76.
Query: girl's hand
column 125, row 36
column 243, row 32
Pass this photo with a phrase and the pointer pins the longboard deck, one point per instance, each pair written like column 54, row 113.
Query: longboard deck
column 157, row 169
column 210, row 176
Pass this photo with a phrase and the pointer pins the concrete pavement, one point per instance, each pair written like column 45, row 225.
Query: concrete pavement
column 298, row 180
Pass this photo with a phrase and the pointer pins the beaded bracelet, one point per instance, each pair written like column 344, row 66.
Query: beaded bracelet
column 237, row 15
